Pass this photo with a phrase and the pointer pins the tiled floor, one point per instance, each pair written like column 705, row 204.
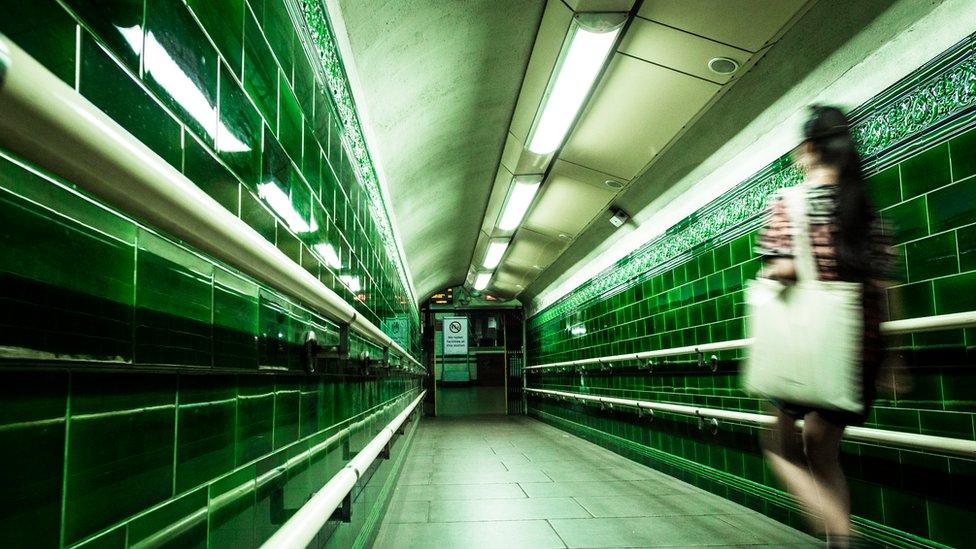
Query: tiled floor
column 511, row 482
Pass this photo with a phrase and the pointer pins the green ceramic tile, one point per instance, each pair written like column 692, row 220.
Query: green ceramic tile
column 255, row 418
column 118, row 23
column 223, row 21
column 962, row 149
column 932, row 257
column 955, row 294
column 967, row 248
column 260, row 70
column 311, row 159
column 239, row 131
column 286, row 414
column 111, row 477
column 275, row 164
column 182, row 522
column 953, row 206
column 907, row 221
column 273, row 330
column 903, row 509
column 741, row 249
column 723, row 257
column 202, row 168
column 106, row 85
column 77, row 304
column 305, row 87
column 180, row 65
column 289, row 121
column 947, row 424
column 172, row 331
column 269, row 507
column 232, row 510
column 926, row 171
column 235, row 321
column 45, row 31
column 205, row 429
column 336, row 148
column 280, row 32
column 32, row 421
column 949, row 524
column 257, row 216
column 112, row 539
column 885, row 187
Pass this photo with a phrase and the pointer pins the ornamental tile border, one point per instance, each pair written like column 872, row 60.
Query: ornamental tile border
column 323, row 37
column 939, row 91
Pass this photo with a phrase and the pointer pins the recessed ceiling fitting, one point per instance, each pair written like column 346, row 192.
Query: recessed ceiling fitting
column 591, row 39
column 517, row 203
column 482, row 280
column 613, row 184
column 496, row 249
column 723, row 65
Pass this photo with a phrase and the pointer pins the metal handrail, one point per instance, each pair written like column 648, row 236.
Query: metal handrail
column 41, row 118
column 914, row 441
column 305, row 524
column 894, row 327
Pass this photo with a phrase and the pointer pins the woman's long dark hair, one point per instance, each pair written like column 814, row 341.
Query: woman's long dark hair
column 828, row 130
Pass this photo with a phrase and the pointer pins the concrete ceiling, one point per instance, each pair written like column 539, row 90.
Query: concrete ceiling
column 439, row 81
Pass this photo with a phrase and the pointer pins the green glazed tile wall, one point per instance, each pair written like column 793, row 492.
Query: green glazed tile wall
column 97, row 454
column 665, row 295
column 224, row 91
column 150, row 394
column 114, row 459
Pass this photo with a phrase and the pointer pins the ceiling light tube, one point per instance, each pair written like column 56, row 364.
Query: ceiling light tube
column 520, row 195
column 481, row 281
column 591, row 39
column 496, row 249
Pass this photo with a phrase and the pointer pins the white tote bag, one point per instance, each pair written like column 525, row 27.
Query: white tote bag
column 806, row 336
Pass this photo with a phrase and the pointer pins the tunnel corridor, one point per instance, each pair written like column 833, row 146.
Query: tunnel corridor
column 338, row 274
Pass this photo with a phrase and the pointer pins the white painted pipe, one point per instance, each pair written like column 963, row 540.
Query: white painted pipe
column 307, row 522
column 894, row 327
column 914, row 441
column 47, row 122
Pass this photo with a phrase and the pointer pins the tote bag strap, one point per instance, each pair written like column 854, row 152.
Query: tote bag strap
column 796, row 201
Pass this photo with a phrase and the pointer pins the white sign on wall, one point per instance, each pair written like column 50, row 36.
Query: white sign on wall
column 456, row 335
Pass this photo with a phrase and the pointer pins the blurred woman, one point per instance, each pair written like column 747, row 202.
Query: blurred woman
column 847, row 245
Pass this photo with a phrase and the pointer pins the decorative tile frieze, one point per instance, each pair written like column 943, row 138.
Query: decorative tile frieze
column 323, row 37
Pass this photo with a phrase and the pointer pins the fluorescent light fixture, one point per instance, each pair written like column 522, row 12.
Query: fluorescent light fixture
column 281, row 204
column 496, row 249
column 592, row 38
column 481, row 281
column 519, row 198
column 168, row 73
column 328, row 254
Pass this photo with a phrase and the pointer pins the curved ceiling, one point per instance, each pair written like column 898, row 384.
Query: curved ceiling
column 437, row 85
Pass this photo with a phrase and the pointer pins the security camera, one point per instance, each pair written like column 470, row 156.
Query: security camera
column 618, row 217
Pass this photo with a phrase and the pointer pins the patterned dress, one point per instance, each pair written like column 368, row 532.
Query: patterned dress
column 776, row 241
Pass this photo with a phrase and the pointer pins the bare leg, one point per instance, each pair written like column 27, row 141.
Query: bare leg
column 784, row 451
column 821, row 440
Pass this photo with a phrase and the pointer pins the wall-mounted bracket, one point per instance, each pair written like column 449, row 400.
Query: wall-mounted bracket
column 339, row 351
column 311, row 351
column 343, row 512
column 709, row 424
